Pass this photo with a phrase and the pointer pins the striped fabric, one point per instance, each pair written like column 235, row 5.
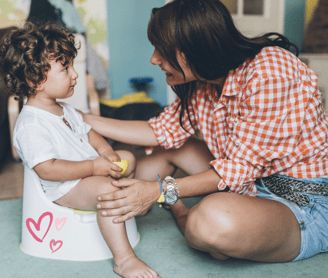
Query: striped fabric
column 269, row 119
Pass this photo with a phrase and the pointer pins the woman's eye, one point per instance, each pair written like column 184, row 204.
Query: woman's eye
column 66, row 69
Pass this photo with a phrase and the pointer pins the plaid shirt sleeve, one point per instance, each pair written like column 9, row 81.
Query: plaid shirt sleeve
column 167, row 128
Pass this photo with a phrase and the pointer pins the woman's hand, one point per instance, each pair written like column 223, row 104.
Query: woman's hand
column 135, row 199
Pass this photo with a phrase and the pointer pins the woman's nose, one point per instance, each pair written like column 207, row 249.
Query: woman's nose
column 155, row 59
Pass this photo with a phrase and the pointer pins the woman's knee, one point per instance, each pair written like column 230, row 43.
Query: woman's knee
column 210, row 225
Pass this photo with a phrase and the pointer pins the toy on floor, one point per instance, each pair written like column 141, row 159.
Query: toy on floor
column 124, row 164
column 140, row 83
column 129, row 98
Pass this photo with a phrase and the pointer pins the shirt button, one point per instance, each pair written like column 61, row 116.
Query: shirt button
column 237, row 144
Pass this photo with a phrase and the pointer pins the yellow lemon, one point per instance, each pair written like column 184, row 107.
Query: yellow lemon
column 124, row 164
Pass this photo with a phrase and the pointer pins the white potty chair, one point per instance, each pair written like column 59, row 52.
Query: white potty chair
column 55, row 232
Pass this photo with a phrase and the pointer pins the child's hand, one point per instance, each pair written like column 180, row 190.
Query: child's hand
column 111, row 155
column 102, row 166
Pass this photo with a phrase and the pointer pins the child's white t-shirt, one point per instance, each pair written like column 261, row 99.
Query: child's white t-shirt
column 40, row 136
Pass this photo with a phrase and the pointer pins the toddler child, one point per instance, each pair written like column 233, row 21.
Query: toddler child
column 74, row 163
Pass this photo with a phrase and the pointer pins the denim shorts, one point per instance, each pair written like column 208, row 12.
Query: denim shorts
column 313, row 218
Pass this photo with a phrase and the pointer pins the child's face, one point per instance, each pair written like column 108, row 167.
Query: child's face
column 60, row 81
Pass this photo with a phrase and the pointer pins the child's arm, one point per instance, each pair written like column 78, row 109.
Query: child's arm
column 102, row 147
column 65, row 170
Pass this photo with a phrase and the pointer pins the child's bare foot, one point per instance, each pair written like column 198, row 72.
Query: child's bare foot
column 132, row 267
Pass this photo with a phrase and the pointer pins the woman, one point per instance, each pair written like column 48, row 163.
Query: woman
column 261, row 116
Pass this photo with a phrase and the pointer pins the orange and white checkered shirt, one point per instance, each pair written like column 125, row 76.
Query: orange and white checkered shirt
column 269, row 119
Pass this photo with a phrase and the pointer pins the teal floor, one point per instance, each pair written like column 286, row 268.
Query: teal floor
column 161, row 246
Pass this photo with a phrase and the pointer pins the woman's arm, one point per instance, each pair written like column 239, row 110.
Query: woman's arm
column 200, row 184
column 128, row 132
column 137, row 199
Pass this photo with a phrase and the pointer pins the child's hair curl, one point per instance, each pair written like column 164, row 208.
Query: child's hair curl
column 25, row 54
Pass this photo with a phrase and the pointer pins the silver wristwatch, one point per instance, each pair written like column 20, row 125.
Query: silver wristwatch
column 171, row 195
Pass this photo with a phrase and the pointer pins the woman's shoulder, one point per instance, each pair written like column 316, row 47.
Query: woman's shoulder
column 274, row 57
column 274, row 51
column 274, row 61
column 271, row 63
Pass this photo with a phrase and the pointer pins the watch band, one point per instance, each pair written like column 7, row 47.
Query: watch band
column 171, row 180
column 169, row 183
column 171, row 194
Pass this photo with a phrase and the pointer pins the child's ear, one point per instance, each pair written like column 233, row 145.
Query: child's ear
column 39, row 87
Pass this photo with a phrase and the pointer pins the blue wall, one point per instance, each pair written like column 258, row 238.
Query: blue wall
column 294, row 21
column 129, row 48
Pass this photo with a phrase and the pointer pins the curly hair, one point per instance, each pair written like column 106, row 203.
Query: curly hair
column 25, row 54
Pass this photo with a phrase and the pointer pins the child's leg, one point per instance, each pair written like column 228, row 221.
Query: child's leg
column 84, row 196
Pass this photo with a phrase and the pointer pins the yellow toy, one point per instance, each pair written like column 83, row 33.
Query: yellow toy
column 124, row 164
column 130, row 98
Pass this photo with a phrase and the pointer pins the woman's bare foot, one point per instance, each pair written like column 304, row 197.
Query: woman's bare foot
column 132, row 267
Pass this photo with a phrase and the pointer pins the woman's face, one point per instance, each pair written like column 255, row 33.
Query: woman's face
column 173, row 77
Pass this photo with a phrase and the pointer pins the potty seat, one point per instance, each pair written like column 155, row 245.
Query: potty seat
column 55, row 232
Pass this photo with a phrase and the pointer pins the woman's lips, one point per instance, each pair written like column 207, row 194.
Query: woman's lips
column 167, row 73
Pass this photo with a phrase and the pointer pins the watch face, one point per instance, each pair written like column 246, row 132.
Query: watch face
column 171, row 199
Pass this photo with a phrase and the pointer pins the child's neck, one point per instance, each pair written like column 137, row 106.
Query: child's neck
column 49, row 105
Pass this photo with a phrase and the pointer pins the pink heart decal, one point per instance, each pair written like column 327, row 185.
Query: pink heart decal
column 53, row 243
column 37, row 226
column 59, row 223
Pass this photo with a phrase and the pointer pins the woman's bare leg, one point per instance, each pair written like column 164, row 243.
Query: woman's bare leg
column 225, row 224
column 244, row 227
column 84, row 196
column 193, row 157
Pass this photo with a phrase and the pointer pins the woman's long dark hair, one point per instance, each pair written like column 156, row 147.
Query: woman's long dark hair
column 204, row 31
